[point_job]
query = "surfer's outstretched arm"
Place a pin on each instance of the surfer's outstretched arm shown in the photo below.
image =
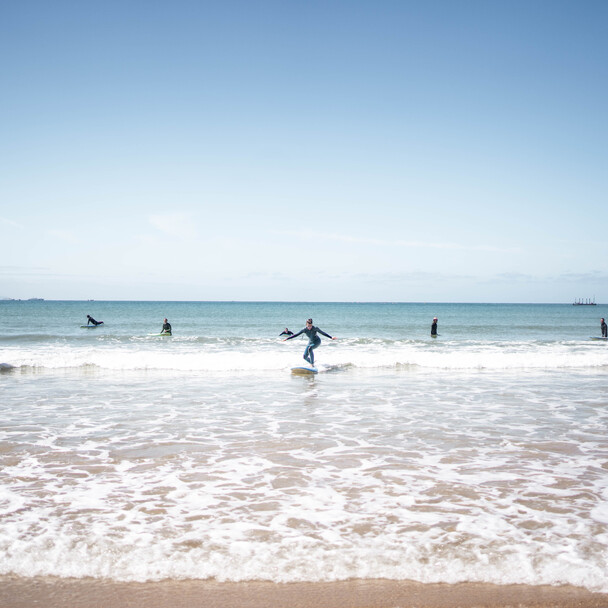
(294, 335)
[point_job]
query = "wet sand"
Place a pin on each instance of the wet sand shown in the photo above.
(47, 592)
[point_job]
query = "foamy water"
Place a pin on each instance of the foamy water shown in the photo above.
(246, 355)
(200, 456)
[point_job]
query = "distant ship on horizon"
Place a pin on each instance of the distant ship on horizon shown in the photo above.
(584, 302)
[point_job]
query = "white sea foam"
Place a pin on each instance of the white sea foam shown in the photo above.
(495, 477)
(255, 356)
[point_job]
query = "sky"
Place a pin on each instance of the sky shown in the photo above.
(406, 151)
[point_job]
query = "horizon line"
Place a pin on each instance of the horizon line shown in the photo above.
(223, 301)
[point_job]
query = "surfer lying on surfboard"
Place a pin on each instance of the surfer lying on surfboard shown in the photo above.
(90, 319)
(313, 340)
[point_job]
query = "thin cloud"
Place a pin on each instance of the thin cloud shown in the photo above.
(177, 225)
(369, 277)
(344, 238)
(569, 277)
(515, 277)
(586, 277)
(24, 271)
(409, 277)
(5, 220)
(67, 237)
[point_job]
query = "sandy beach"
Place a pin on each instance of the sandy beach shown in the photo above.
(16, 592)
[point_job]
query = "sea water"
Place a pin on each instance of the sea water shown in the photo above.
(479, 455)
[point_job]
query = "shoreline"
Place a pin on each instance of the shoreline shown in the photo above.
(52, 592)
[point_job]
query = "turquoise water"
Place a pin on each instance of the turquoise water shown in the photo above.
(243, 337)
(353, 320)
(481, 455)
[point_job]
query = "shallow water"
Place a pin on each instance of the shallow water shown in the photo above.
(200, 456)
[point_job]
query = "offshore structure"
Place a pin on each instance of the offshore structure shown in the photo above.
(584, 302)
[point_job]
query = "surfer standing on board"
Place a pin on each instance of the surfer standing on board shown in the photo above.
(313, 340)
(604, 328)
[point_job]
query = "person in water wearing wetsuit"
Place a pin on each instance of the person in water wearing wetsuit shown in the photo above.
(434, 327)
(313, 340)
(91, 320)
(166, 327)
(286, 332)
(604, 328)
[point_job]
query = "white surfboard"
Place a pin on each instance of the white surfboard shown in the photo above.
(597, 338)
(304, 371)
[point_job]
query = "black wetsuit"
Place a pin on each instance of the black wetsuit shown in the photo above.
(166, 328)
(604, 329)
(434, 328)
(313, 341)
(92, 320)
(287, 332)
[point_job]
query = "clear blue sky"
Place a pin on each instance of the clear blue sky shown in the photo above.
(258, 150)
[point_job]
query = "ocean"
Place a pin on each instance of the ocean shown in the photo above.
(481, 455)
